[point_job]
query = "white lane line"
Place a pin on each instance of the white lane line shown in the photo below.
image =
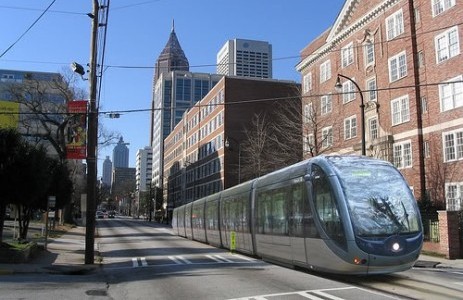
(134, 262)
(186, 261)
(326, 295)
(175, 260)
(214, 258)
(223, 258)
(143, 262)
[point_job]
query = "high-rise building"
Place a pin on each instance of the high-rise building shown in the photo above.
(246, 58)
(143, 168)
(175, 90)
(121, 155)
(107, 170)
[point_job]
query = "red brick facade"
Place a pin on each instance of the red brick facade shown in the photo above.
(408, 110)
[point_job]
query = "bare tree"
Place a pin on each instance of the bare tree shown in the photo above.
(256, 157)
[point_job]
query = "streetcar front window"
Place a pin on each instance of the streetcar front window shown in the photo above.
(379, 200)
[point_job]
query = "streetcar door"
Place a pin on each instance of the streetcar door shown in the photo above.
(297, 215)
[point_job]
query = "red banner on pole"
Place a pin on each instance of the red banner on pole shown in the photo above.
(76, 137)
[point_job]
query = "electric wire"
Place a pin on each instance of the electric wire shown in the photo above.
(27, 30)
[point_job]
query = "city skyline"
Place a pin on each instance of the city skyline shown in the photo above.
(131, 49)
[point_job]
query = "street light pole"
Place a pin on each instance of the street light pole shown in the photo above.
(92, 134)
(227, 145)
(338, 86)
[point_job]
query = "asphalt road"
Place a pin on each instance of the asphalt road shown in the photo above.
(142, 260)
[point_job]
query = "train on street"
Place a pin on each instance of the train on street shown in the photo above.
(334, 214)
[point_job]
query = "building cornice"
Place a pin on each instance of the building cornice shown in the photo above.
(340, 32)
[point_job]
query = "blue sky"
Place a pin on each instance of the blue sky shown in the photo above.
(138, 31)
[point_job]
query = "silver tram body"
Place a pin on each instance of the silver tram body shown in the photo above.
(335, 214)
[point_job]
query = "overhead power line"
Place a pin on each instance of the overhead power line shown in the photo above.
(27, 30)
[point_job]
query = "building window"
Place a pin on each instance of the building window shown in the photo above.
(371, 87)
(326, 104)
(350, 128)
(347, 55)
(453, 145)
(397, 67)
(348, 91)
(308, 112)
(309, 143)
(327, 137)
(325, 71)
(369, 53)
(451, 94)
(403, 155)
(454, 196)
(439, 6)
(447, 44)
(400, 110)
(373, 128)
(395, 25)
(307, 82)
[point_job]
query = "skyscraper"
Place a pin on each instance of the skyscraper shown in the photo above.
(121, 155)
(247, 58)
(175, 90)
(107, 169)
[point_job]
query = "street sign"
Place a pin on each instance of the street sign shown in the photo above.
(51, 201)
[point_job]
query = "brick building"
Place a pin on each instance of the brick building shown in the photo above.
(404, 59)
(197, 161)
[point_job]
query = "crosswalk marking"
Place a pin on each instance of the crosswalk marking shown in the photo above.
(219, 258)
(179, 260)
(136, 264)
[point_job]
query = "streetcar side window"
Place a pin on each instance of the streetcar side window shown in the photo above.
(302, 223)
(272, 212)
(325, 205)
(212, 215)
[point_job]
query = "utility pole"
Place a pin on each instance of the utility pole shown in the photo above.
(92, 135)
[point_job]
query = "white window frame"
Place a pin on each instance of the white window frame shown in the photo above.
(451, 94)
(397, 66)
(327, 137)
(325, 71)
(447, 44)
(373, 128)
(348, 91)
(439, 6)
(347, 55)
(371, 89)
(369, 53)
(326, 104)
(454, 196)
(307, 82)
(402, 153)
(308, 112)
(350, 127)
(309, 140)
(395, 25)
(452, 145)
(400, 110)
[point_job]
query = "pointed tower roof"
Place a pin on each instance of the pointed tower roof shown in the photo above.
(172, 56)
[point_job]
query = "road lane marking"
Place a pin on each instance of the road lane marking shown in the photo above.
(134, 262)
(143, 261)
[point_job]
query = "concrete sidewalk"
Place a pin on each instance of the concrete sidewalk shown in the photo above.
(66, 255)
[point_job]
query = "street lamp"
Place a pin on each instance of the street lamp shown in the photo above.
(338, 87)
(228, 146)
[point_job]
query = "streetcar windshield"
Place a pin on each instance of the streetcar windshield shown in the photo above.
(379, 199)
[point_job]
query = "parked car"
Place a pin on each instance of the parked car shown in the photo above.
(112, 214)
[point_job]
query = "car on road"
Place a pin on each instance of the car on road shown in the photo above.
(100, 215)
(112, 214)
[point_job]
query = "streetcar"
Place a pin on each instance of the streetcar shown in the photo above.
(333, 214)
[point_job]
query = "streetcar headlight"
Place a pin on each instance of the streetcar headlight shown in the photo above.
(396, 247)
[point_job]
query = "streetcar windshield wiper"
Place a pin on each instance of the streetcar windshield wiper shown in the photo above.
(385, 208)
